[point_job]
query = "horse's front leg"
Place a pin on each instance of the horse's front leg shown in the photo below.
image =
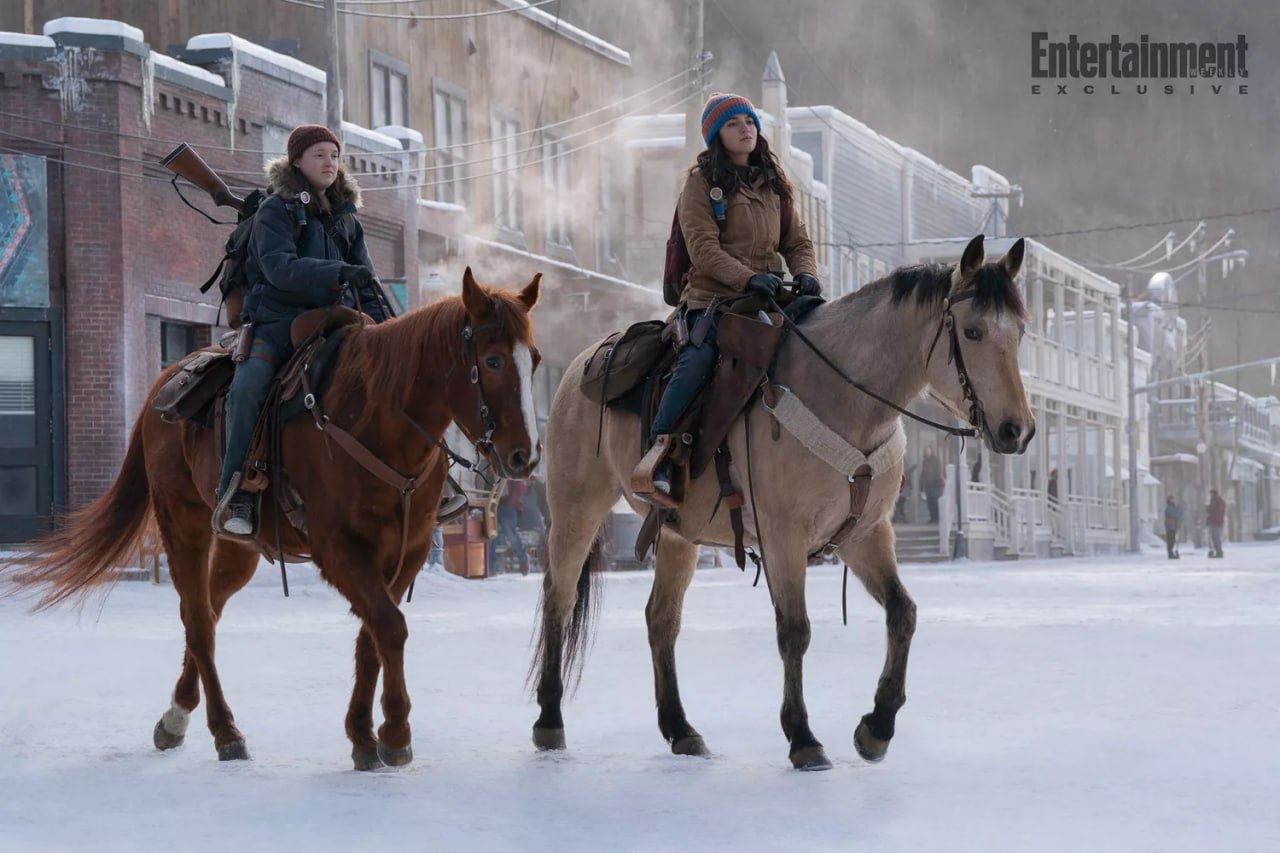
(346, 564)
(786, 583)
(874, 563)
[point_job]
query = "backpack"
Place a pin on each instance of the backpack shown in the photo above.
(679, 266)
(230, 274)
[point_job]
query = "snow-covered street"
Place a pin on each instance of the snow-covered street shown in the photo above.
(1113, 704)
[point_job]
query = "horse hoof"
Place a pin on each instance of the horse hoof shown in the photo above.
(810, 758)
(234, 751)
(691, 745)
(546, 739)
(870, 747)
(366, 759)
(164, 740)
(394, 757)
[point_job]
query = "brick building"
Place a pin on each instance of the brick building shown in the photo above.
(108, 293)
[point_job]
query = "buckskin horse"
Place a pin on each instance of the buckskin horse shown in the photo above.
(396, 387)
(951, 331)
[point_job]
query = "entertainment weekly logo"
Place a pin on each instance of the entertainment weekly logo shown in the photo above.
(1185, 67)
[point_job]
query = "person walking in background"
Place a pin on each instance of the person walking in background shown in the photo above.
(931, 482)
(509, 510)
(1216, 518)
(1172, 521)
(1053, 486)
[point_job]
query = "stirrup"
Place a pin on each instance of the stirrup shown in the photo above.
(642, 478)
(452, 502)
(220, 510)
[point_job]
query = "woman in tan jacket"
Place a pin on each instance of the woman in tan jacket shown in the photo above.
(731, 215)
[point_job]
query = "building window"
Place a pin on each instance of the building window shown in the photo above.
(449, 119)
(275, 140)
(506, 166)
(608, 226)
(555, 170)
(388, 91)
(176, 341)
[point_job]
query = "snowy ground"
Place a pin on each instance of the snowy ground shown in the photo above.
(1123, 704)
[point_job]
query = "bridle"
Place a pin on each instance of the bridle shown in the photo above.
(977, 415)
(977, 418)
(484, 444)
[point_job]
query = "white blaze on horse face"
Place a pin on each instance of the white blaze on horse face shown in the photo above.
(524, 367)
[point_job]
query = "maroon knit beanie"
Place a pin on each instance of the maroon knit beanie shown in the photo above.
(306, 135)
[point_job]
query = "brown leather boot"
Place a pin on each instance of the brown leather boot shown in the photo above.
(652, 478)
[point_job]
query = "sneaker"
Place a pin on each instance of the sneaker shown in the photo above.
(239, 515)
(452, 502)
(662, 479)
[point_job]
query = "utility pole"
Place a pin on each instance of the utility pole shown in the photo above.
(1206, 455)
(333, 88)
(1134, 512)
(693, 109)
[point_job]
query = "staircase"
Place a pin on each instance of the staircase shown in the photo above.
(917, 543)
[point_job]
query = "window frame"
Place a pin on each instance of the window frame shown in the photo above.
(450, 180)
(391, 67)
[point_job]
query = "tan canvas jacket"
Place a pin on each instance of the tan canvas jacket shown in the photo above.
(725, 255)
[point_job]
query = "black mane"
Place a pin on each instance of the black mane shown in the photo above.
(931, 283)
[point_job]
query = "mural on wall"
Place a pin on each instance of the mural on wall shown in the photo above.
(24, 232)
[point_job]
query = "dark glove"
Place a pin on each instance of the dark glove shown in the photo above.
(355, 275)
(766, 284)
(807, 285)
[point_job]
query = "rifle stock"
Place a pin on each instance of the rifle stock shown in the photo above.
(184, 162)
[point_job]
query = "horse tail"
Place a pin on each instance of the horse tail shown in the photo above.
(94, 542)
(580, 627)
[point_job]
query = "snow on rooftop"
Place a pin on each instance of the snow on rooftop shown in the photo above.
(224, 41)
(93, 27)
(189, 70)
(370, 138)
(448, 207)
(25, 40)
(399, 131)
(569, 31)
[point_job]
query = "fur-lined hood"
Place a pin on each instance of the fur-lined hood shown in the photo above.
(288, 183)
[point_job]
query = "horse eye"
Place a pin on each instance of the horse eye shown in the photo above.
(973, 334)
(493, 362)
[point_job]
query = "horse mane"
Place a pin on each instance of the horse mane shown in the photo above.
(929, 284)
(387, 362)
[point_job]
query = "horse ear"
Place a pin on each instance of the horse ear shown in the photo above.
(972, 259)
(474, 299)
(1012, 259)
(529, 296)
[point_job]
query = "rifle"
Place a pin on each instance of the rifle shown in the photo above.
(185, 163)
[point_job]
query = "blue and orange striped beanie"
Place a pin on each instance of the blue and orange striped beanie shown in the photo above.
(719, 109)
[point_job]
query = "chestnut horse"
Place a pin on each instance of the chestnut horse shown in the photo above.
(469, 360)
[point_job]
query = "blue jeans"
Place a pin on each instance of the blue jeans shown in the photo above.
(509, 535)
(249, 389)
(693, 367)
(436, 556)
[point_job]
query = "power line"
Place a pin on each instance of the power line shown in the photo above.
(639, 110)
(86, 166)
(257, 175)
(565, 153)
(473, 143)
(403, 17)
(1256, 211)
